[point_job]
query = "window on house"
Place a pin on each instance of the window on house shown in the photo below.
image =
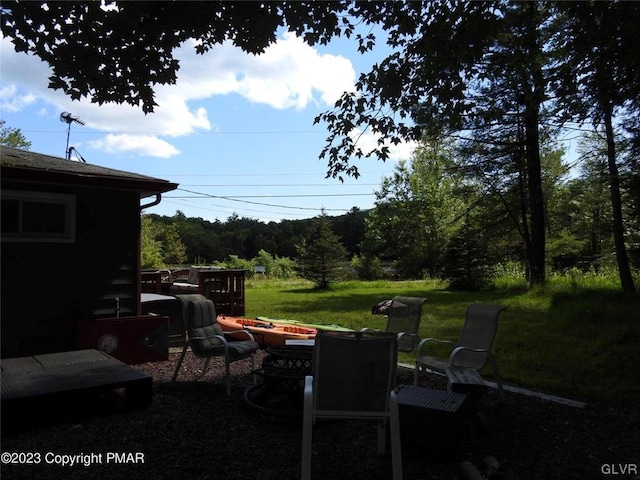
(38, 217)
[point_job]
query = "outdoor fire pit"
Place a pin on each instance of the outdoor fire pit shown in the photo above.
(283, 372)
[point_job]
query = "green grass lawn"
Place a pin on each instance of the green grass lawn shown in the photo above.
(578, 343)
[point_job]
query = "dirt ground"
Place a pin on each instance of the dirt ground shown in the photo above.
(193, 430)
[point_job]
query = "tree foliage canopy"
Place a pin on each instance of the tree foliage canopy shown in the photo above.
(118, 51)
(13, 137)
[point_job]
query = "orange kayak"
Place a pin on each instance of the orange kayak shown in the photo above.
(266, 333)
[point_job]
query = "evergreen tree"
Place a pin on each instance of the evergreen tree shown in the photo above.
(466, 263)
(320, 254)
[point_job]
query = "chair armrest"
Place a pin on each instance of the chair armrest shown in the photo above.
(423, 344)
(405, 334)
(490, 359)
(308, 383)
(220, 337)
(246, 332)
(308, 393)
(457, 350)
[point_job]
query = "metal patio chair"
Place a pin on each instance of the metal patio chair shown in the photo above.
(473, 348)
(403, 319)
(353, 378)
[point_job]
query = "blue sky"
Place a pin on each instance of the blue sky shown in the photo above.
(234, 126)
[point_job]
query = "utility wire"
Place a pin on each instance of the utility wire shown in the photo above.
(275, 185)
(231, 210)
(290, 174)
(232, 199)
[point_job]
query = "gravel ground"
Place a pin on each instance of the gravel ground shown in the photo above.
(193, 430)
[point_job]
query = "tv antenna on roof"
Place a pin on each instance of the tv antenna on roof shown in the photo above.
(69, 119)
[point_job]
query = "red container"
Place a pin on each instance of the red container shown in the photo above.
(131, 340)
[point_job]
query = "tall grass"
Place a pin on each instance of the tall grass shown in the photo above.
(578, 337)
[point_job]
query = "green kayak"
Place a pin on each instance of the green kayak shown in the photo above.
(318, 326)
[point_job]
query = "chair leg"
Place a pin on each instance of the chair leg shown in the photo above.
(416, 373)
(175, 372)
(253, 368)
(206, 365)
(394, 427)
(381, 428)
(227, 376)
(494, 367)
(307, 429)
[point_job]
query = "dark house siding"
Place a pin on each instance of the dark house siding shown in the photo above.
(48, 286)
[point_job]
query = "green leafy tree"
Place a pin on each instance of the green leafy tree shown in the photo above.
(160, 243)
(175, 251)
(151, 253)
(417, 211)
(588, 209)
(266, 260)
(13, 137)
(350, 229)
(446, 54)
(598, 81)
(320, 254)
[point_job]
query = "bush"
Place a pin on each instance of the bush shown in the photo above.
(368, 267)
(284, 268)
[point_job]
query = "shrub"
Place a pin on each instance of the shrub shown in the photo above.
(368, 267)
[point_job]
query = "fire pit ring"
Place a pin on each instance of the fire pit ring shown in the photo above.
(283, 371)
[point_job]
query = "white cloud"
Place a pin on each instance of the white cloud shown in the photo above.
(368, 141)
(12, 101)
(147, 145)
(286, 75)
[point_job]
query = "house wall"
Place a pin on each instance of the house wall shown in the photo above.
(47, 287)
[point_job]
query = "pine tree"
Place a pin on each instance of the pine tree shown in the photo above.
(320, 254)
(466, 266)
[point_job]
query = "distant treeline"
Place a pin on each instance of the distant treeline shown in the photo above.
(214, 241)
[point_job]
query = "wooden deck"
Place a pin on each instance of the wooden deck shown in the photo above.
(59, 376)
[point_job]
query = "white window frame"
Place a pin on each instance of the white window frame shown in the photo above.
(67, 200)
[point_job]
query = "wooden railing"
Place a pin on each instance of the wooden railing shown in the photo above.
(225, 287)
